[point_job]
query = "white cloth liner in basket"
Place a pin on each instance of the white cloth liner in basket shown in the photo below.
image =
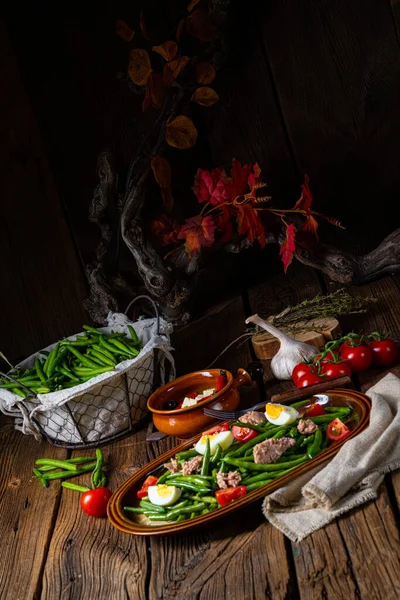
(104, 406)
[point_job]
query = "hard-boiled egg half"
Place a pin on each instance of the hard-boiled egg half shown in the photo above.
(278, 414)
(223, 439)
(163, 495)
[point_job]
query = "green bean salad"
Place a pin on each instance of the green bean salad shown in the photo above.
(231, 460)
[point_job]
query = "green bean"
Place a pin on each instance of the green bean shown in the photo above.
(258, 484)
(147, 505)
(95, 371)
(204, 479)
(134, 336)
(207, 499)
(67, 373)
(157, 517)
(123, 348)
(315, 447)
(20, 393)
(279, 434)
(189, 479)
(78, 343)
(192, 488)
(300, 403)
(76, 460)
(67, 474)
(92, 330)
(206, 458)
(163, 477)
(345, 410)
(186, 510)
(247, 426)
(325, 418)
(49, 359)
(134, 509)
(181, 518)
(265, 467)
(97, 472)
(216, 456)
(83, 359)
(73, 486)
(58, 357)
(102, 357)
(40, 477)
(307, 440)
(187, 454)
(60, 464)
(39, 370)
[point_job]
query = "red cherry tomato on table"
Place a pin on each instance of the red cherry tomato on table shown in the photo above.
(308, 379)
(224, 497)
(337, 430)
(94, 502)
(358, 357)
(243, 434)
(384, 352)
(150, 480)
(314, 410)
(332, 370)
(302, 369)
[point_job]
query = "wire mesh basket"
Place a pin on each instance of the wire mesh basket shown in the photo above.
(106, 408)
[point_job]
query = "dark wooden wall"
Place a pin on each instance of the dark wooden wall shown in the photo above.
(310, 87)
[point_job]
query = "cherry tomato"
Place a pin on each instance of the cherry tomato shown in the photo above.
(384, 352)
(359, 357)
(224, 497)
(332, 370)
(94, 502)
(337, 430)
(300, 370)
(308, 379)
(314, 410)
(330, 356)
(243, 434)
(216, 429)
(151, 480)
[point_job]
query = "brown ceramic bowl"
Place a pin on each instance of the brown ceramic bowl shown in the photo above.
(185, 422)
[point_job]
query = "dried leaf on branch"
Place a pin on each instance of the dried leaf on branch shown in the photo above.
(139, 66)
(288, 247)
(166, 229)
(143, 27)
(162, 174)
(181, 133)
(124, 31)
(173, 69)
(168, 50)
(205, 73)
(205, 96)
(250, 224)
(197, 232)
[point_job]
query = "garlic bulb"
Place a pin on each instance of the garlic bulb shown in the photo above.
(290, 353)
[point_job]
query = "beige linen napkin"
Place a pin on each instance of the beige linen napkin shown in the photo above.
(351, 478)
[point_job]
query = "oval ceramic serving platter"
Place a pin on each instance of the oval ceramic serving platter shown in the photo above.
(125, 495)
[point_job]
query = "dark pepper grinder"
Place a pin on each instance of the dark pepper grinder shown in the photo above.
(256, 372)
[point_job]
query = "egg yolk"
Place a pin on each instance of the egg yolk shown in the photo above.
(163, 490)
(273, 411)
(210, 437)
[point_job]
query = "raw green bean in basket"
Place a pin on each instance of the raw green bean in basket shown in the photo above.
(134, 337)
(83, 359)
(39, 370)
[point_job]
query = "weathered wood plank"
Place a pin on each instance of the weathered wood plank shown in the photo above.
(42, 284)
(27, 513)
(88, 558)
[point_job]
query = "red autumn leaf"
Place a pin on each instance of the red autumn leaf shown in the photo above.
(211, 186)
(167, 50)
(143, 27)
(166, 229)
(198, 232)
(304, 202)
(224, 224)
(311, 225)
(198, 26)
(139, 66)
(173, 68)
(250, 224)
(240, 175)
(205, 73)
(254, 177)
(288, 247)
(180, 29)
(124, 31)
(154, 91)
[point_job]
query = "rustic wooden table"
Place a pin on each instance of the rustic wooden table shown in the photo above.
(50, 549)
